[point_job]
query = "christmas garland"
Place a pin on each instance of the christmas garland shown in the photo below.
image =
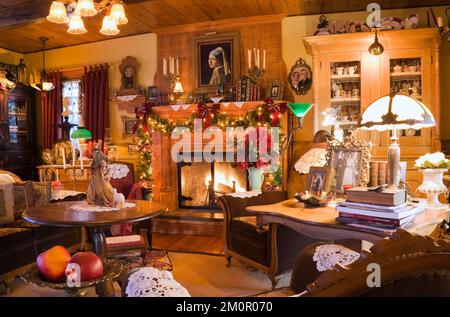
(267, 115)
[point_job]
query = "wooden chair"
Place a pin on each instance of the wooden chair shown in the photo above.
(273, 250)
(410, 265)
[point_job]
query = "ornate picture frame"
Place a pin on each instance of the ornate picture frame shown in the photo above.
(351, 163)
(203, 73)
(300, 77)
(319, 179)
(275, 91)
(127, 126)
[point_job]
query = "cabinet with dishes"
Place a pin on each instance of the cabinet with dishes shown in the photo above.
(343, 66)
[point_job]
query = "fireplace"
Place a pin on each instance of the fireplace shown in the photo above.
(201, 183)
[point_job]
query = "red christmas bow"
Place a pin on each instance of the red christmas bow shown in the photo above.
(206, 112)
(142, 113)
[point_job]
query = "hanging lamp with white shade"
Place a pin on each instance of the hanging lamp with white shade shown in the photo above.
(44, 85)
(109, 26)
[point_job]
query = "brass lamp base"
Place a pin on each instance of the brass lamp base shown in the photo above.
(394, 161)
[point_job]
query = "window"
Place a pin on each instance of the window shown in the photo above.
(72, 105)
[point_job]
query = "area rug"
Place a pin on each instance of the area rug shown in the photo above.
(156, 258)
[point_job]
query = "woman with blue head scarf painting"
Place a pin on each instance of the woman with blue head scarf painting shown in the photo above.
(218, 62)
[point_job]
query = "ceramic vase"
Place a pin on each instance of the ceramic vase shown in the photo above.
(433, 185)
(255, 178)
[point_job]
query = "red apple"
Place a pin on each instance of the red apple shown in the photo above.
(53, 262)
(91, 266)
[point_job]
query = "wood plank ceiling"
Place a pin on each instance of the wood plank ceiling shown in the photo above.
(22, 22)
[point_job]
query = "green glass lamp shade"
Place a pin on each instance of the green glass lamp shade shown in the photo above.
(300, 109)
(81, 133)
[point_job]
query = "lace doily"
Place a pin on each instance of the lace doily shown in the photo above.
(118, 171)
(151, 282)
(328, 255)
(252, 193)
(62, 194)
(314, 157)
(84, 206)
(126, 98)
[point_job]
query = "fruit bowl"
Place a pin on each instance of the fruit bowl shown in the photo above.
(314, 200)
(112, 269)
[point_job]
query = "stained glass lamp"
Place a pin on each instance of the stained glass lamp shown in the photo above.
(395, 112)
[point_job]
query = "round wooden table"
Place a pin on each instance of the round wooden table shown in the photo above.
(62, 215)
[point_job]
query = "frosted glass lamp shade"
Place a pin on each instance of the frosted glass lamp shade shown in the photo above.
(86, 8)
(396, 112)
(76, 25)
(58, 13)
(118, 14)
(109, 27)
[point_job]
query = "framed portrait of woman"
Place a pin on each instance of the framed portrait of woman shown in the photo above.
(351, 163)
(215, 62)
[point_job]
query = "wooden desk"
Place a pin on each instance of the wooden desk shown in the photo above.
(321, 224)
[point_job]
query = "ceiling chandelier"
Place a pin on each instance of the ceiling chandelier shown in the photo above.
(44, 85)
(72, 12)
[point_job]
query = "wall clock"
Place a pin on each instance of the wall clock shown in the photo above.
(128, 70)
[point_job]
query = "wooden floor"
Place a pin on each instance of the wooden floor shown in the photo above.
(186, 243)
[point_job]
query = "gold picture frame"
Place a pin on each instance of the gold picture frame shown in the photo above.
(127, 126)
(201, 47)
(276, 90)
(319, 179)
(350, 161)
(300, 77)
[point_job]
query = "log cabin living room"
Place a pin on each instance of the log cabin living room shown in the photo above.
(186, 148)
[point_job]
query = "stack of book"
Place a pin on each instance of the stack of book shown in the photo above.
(384, 211)
(247, 90)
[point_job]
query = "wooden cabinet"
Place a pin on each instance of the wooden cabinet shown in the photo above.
(17, 132)
(409, 65)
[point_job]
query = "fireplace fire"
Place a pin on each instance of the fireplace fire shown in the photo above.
(201, 183)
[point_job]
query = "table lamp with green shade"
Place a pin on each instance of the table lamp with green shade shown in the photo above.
(300, 110)
(81, 134)
(394, 112)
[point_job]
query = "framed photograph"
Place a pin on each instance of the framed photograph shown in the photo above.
(133, 148)
(128, 124)
(351, 163)
(300, 77)
(275, 90)
(319, 179)
(215, 62)
(154, 95)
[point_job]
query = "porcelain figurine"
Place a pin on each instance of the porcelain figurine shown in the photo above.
(100, 191)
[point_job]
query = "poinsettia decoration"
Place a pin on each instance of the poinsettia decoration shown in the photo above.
(275, 110)
(207, 113)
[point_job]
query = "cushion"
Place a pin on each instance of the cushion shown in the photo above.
(14, 176)
(6, 199)
(134, 241)
(23, 196)
(9, 236)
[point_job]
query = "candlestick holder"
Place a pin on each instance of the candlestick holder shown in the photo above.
(256, 73)
(176, 91)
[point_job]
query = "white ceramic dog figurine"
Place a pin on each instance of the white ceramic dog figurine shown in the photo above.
(119, 199)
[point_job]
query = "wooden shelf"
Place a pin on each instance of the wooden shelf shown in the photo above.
(345, 100)
(345, 77)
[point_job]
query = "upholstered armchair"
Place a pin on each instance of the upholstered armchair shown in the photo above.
(272, 250)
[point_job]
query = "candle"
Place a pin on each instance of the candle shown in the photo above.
(172, 65)
(259, 60)
(255, 56)
(74, 162)
(164, 67)
(440, 22)
(249, 59)
(81, 155)
(63, 153)
(264, 60)
(178, 67)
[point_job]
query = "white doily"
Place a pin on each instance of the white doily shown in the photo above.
(62, 194)
(314, 157)
(151, 282)
(252, 193)
(118, 171)
(328, 255)
(84, 206)
(127, 98)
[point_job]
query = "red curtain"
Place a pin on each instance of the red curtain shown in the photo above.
(96, 100)
(51, 111)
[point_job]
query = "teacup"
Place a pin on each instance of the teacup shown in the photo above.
(412, 68)
(340, 71)
(352, 69)
(398, 69)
